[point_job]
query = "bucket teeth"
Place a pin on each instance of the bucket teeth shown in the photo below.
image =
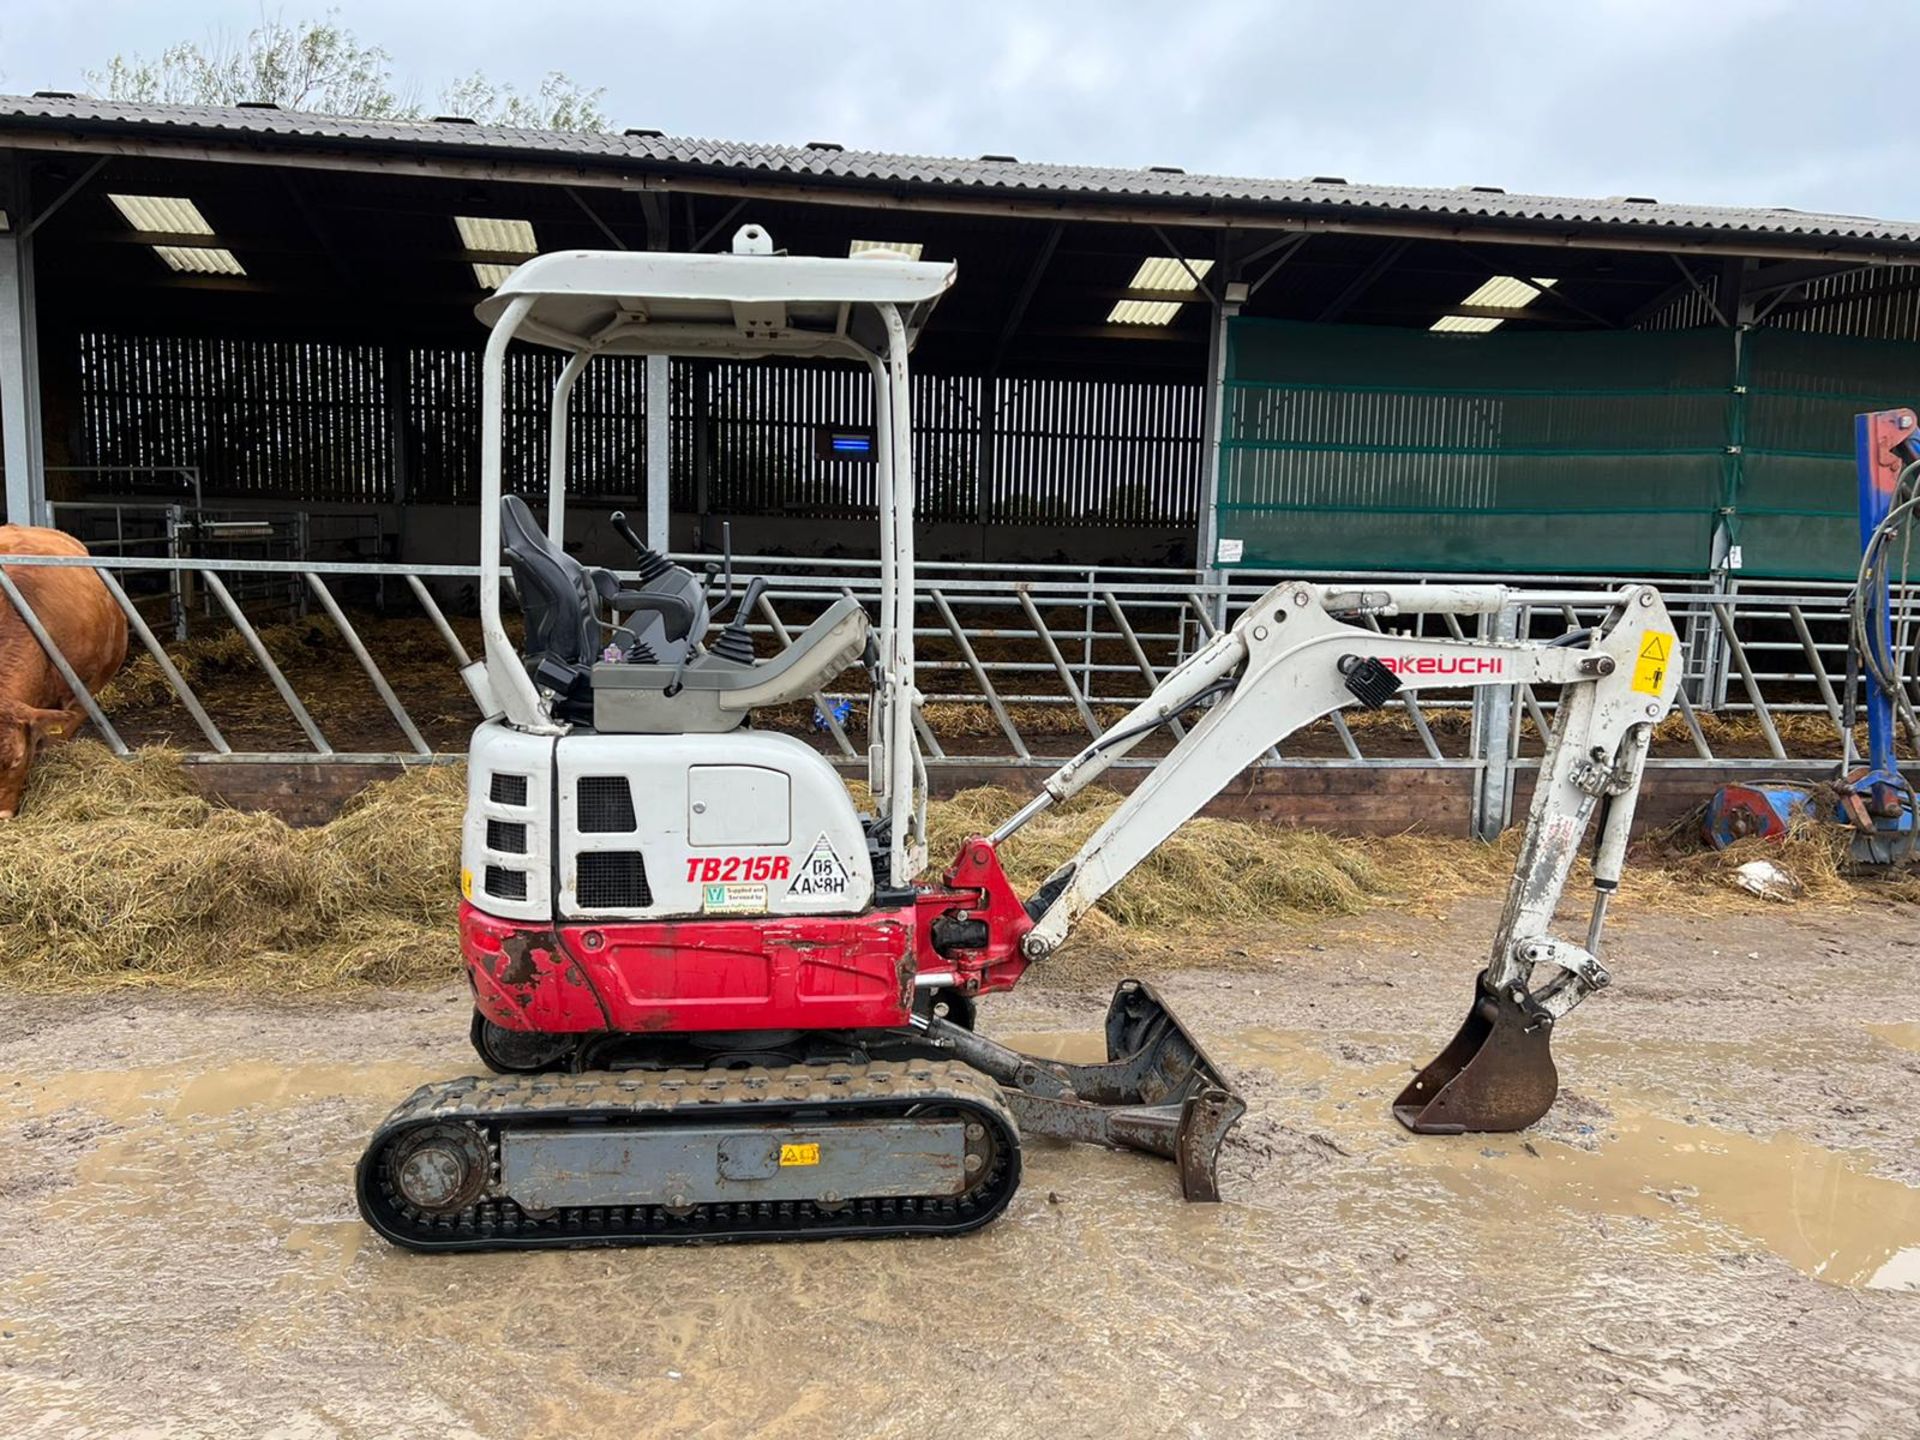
(1497, 1073)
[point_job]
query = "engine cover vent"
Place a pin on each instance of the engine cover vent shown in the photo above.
(605, 805)
(613, 880)
(508, 790)
(509, 837)
(505, 884)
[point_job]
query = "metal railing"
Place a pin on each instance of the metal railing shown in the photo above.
(1017, 669)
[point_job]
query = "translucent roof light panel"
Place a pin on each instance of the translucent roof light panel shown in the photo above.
(909, 248)
(491, 277)
(1159, 272)
(200, 260)
(1502, 292)
(162, 214)
(1166, 272)
(496, 237)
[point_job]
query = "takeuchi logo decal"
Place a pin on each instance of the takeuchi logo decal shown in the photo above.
(1478, 666)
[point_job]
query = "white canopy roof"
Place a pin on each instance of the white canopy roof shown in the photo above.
(639, 302)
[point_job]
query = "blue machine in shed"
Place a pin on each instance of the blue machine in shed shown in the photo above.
(1873, 799)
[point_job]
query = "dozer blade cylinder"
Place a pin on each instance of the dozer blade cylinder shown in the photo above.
(1158, 1091)
(1497, 1073)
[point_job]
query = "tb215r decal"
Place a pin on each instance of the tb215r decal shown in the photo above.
(720, 869)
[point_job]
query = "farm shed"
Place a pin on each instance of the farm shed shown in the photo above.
(267, 315)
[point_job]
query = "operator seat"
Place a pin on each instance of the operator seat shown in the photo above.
(557, 593)
(572, 610)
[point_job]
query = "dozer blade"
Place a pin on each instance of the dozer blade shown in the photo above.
(1496, 1074)
(1158, 1091)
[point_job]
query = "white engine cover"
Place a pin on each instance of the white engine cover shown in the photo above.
(649, 827)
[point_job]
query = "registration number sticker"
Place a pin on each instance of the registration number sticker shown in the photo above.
(799, 1155)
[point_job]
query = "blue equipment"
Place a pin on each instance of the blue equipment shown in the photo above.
(1874, 800)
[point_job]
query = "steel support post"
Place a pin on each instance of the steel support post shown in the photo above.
(659, 452)
(25, 458)
(1493, 707)
(1734, 306)
(659, 410)
(393, 394)
(1213, 416)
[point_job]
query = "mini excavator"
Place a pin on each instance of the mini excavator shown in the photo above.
(719, 1002)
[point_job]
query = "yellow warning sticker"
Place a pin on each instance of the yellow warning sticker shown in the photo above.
(1656, 659)
(799, 1155)
(466, 883)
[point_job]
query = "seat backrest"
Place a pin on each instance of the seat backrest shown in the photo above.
(556, 594)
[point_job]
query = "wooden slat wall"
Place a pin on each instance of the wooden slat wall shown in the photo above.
(262, 419)
(1095, 452)
(300, 420)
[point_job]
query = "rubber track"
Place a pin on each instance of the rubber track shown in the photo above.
(751, 1096)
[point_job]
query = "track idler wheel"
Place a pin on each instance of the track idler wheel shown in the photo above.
(440, 1169)
(1496, 1074)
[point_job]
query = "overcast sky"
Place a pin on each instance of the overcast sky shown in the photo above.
(1691, 100)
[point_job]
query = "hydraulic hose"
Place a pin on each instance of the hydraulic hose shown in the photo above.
(1879, 657)
(1879, 654)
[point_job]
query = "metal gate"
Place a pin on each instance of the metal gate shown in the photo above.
(1016, 671)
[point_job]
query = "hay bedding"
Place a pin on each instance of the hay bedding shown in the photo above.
(118, 872)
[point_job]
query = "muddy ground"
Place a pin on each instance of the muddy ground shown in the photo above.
(1716, 1231)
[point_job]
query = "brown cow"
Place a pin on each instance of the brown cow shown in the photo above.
(84, 622)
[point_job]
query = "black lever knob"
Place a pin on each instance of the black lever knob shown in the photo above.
(652, 564)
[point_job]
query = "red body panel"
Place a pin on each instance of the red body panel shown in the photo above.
(770, 972)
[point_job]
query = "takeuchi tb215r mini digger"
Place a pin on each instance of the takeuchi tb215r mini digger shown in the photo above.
(722, 1003)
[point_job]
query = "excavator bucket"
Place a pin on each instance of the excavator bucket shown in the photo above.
(1157, 1091)
(1496, 1074)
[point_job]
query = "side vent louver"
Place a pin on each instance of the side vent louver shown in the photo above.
(504, 884)
(508, 790)
(509, 837)
(613, 880)
(605, 804)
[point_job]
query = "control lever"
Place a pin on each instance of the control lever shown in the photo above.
(726, 551)
(652, 563)
(734, 642)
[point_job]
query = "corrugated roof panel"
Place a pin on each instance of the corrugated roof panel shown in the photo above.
(1466, 324)
(200, 259)
(1164, 272)
(746, 161)
(162, 214)
(1507, 291)
(491, 277)
(1143, 312)
(909, 248)
(501, 237)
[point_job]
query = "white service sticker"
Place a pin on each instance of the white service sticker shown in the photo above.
(1230, 552)
(733, 899)
(821, 875)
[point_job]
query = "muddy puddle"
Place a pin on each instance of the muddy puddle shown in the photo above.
(1822, 1211)
(181, 1256)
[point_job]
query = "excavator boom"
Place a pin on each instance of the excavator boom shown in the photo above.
(1303, 651)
